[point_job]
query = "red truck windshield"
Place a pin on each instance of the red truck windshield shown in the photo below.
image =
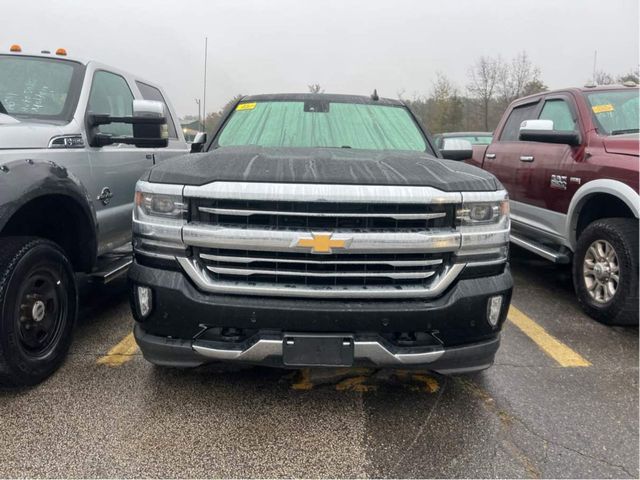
(616, 111)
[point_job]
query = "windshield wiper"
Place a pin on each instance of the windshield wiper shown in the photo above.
(343, 146)
(626, 130)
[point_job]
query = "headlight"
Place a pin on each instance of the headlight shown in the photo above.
(482, 213)
(159, 214)
(160, 205)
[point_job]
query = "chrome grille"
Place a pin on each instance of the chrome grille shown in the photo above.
(328, 241)
(321, 215)
(306, 269)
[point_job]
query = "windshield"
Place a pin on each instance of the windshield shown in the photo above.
(322, 123)
(38, 88)
(615, 111)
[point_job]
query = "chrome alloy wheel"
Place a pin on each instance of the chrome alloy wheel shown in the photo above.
(601, 271)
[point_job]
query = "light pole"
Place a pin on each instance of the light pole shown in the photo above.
(204, 95)
(199, 117)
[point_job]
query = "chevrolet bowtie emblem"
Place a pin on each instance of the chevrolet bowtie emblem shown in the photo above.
(321, 243)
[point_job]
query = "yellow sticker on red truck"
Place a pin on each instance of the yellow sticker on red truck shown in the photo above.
(246, 106)
(607, 107)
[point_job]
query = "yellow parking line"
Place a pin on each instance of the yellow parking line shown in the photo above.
(121, 353)
(553, 347)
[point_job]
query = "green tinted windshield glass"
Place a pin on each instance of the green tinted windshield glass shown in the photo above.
(322, 124)
(36, 87)
(616, 111)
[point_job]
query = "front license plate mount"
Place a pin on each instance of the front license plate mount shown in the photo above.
(317, 350)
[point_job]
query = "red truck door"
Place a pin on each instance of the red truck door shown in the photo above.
(502, 157)
(550, 166)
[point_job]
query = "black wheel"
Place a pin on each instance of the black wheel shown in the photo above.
(605, 270)
(38, 309)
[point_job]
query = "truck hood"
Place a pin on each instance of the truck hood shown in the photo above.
(623, 144)
(323, 165)
(16, 134)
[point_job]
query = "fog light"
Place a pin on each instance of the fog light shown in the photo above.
(144, 300)
(494, 305)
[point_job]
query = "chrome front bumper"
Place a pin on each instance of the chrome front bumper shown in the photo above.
(371, 351)
(367, 352)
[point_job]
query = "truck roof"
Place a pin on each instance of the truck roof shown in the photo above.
(616, 86)
(580, 90)
(83, 61)
(331, 97)
(42, 54)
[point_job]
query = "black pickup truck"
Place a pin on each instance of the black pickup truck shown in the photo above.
(320, 230)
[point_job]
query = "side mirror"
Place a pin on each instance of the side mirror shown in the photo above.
(198, 142)
(456, 149)
(149, 126)
(542, 131)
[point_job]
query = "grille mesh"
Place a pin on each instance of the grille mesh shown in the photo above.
(327, 216)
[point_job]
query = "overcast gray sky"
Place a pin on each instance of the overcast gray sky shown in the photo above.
(346, 46)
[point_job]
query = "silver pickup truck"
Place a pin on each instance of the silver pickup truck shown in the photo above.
(75, 136)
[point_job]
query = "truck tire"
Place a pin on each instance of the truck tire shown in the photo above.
(605, 270)
(38, 309)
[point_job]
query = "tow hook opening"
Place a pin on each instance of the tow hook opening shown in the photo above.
(225, 334)
(413, 339)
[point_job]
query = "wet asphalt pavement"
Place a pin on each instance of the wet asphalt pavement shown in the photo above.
(527, 416)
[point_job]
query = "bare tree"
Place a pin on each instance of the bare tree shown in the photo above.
(483, 82)
(446, 105)
(534, 86)
(603, 78)
(315, 88)
(443, 87)
(516, 77)
(631, 76)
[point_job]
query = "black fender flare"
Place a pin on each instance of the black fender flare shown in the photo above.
(22, 181)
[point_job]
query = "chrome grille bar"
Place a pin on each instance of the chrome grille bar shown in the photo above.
(293, 273)
(204, 282)
(421, 241)
(393, 263)
(303, 192)
(395, 216)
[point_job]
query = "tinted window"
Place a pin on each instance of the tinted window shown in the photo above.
(517, 116)
(322, 124)
(152, 93)
(559, 112)
(110, 94)
(39, 88)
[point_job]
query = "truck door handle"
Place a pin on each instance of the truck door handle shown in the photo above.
(526, 158)
(490, 156)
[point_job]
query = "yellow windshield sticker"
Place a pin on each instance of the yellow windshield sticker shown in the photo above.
(246, 106)
(607, 107)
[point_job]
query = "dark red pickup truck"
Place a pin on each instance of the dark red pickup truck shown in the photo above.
(569, 161)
